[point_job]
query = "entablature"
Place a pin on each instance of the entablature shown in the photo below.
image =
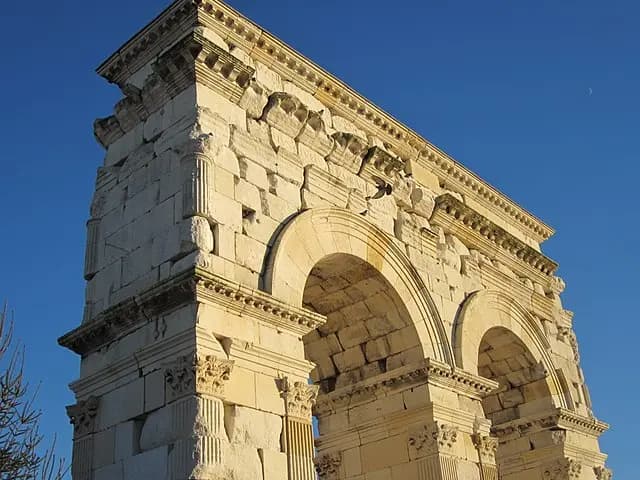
(193, 285)
(479, 232)
(261, 46)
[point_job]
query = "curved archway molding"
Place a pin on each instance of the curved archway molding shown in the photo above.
(488, 309)
(318, 233)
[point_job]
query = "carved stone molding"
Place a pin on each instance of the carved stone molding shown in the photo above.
(562, 469)
(450, 210)
(603, 473)
(557, 419)
(558, 437)
(82, 416)
(286, 113)
(299, 398)
(428, 370)
(348, 151)
(328, 466)
(380, 163)
(567, 335)
(197, 374)
(433, 438)
(189, 286)
(486, 446)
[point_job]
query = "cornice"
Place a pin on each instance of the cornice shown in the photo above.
(428, 370)
(451, 211)
(194, 285)
(340, 98)
(557, 418)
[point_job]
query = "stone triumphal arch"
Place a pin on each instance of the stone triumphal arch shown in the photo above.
(265, 246)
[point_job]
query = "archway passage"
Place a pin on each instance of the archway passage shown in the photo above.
(368, 330)
(523, 389)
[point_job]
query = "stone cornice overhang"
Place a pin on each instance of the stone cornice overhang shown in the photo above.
(481, 233)
(428, 371)
(340, 98)
(193, 285)
(554, 419)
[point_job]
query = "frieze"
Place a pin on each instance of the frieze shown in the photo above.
(82, 416)
(299, 398)
(557, 419)
(328, 466)
(194, 373)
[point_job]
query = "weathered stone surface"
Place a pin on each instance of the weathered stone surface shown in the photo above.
(256, 224)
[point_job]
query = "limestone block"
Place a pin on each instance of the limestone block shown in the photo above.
(226, 109)
(157, 429)
(284, 189)
(314, 135)
(407, 357)
(259, 226)
(104, 448)
(127, 439)
(224, 182)
(350, 359)
(307, 156)
(275, 207)
(286, 112)
(280, 140)
(268, 77)
(385, 453)
(241, 388)
(288, 166)
(274, 464)
(422, 202)
(243, 463)
(121, 404)
(324, 187)
(226, 159)
(254, 99)
(253, 428)
(151, 464)
(165, 246)
(348, 151)
(254, 173)
(196, 234)
(341, 124)
(377, 349)
(353, 335)
(268, 396)
(123, 146)
(143, 202)
(136, 264)
(249, 252)
(154, 394)
(109, 472)
(248, 195)
(226, 211)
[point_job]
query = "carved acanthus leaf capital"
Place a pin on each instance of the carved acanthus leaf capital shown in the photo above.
(486, 446)
(603, 473)
(197, 374)
(433, 438)
(563, 469)
(328, 466)
(82, 416)
(299, 398)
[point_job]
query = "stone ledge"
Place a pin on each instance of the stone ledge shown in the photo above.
(450, 211)
(428, 370)
(559, 417)
(192, 285)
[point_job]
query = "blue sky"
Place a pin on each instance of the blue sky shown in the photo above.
(541, 98)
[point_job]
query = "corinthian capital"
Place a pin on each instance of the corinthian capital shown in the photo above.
(197, 374)
(299, 398)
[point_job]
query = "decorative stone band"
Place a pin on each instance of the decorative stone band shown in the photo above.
(431, 439)
(328, 466)
(82, 416)
(264, 47)
(427, 370)
(562, 469)
(193, 374)
(559, 418)
(451, 211)
(192, 285)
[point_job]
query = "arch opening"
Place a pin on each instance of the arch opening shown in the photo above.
(368, 330)
(523, 389)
